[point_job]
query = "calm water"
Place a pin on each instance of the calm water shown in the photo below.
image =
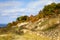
(3, 25)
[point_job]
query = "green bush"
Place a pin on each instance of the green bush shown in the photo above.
(23, 18)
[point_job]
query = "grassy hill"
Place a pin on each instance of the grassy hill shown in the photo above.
(43, 26)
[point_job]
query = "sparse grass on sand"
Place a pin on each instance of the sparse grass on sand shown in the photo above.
(32, 36)
(26, 36)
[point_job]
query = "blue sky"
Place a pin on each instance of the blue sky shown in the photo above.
(11, 9)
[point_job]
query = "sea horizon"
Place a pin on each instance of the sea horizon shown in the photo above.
(3, 25)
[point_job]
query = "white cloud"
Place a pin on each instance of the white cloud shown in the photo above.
(32, 7)
(13, 3)
(14, 16)
(5, 8)
(10, 10)
(14, 10)
(36, 6)
(3, 14)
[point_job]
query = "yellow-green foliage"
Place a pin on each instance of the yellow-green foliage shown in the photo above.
(50, 10)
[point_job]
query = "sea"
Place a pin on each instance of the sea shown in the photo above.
(3, 25)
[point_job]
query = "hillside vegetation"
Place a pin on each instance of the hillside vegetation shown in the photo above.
(43, 26)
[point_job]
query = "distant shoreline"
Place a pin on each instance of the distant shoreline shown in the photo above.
(3, 25)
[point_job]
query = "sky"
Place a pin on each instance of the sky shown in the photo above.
(11, 9)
